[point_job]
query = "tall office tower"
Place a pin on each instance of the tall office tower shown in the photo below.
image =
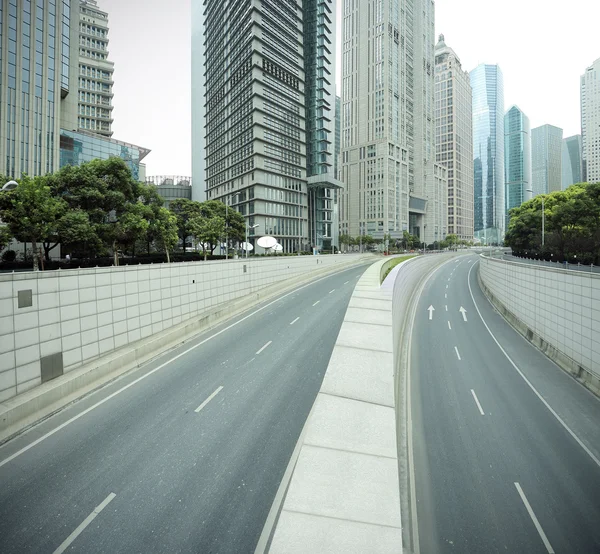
(319, 93)
(388, 167)
(546, 147)
(36, 84)
(338, 133)
(95, 71)
(517, 159)
(488, 153)
(572, 166)
(454, 137)
(590, 122)
(263, 114)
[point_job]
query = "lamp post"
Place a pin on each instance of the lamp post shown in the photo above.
(11, 185)
(250, 227)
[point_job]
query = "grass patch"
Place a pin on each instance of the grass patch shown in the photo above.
(394, 263)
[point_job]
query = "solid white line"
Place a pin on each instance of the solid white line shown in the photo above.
(449, 326)
(331, 291)
(264, 347)
(208, 399)
(535, 520)
(292, 322)
(165, 364)
(477, 402)
(456, 350)
(84, 524)
(316, 302)
(559, 419)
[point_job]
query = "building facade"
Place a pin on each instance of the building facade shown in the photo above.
(454, 137)
(95, 71)
(263, 111)
(590, 122)
(37, 90)
(171, 187)
(517, 159)
(572, 163)
(388, 131)
(546, 147)
(487, 83)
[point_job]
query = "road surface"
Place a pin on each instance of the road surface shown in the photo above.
(183, 455)
(507, 457)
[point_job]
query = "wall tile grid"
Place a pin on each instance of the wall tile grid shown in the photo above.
(562, 307)
(85, 313)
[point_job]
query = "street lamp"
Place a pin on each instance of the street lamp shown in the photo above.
(11, 185)
(250, 227)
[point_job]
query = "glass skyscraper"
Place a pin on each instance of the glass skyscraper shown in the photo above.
(572, 164)
(517, 158)
(36, 48)
(546, 148)
(487, 83)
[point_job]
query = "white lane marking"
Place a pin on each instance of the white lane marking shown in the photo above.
(431, 309)
(535, 520)
(84, 524)
(458, 355)
(316, 302)
(265, 346)
(333, 290)
(559, 419)
(449, 326)
(208, 399)
(464, 313)
(161, 366)
(292, 322)
(446, 295)
(446, 286)
(346, 282)
(446, 307)
(477, 402)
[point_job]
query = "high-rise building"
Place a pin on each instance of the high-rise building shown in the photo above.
(590, 122)
(37, 88)
(546, 148)
(517, 159)
(487, 83)
(572, 166)
(95, 71)
(583, 123)
(454, 137)
(171, 187)
(338, 133)
(388, 130)
(263, 115)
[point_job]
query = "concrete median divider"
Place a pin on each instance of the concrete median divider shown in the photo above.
(18, 411)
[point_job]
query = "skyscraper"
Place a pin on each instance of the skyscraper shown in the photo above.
(590, 122)
(36, 82)
(487, 83)
(388, 137)
(263, 114)
(454, 137)
(546, 147)
(572, 170)
(517, 159)
(95, 70)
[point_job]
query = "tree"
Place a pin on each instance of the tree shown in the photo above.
(31, 212)
(5, 236)
(131, 225)
(185, 210)
(346, 239)
(207, 230)
(163, 227)
(452, 241)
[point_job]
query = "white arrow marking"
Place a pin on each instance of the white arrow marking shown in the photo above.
(464, 313)
(431, 309)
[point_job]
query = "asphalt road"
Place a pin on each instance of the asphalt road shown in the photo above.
(187, 459)
(495, 469)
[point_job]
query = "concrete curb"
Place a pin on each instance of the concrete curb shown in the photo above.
(22, 411)
(566, 363)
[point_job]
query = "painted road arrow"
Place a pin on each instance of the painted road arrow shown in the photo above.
(431, 309)
(463, 312)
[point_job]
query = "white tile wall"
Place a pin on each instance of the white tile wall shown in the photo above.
(561, 306)
(85, 313)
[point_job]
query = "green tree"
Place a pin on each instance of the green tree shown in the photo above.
(131, 225)
(207, 230)
(345, 239)
(163, 228)
(31, 212)
(185, 210)
(5, 236)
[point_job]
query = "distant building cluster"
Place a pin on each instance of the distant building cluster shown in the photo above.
(171, 187)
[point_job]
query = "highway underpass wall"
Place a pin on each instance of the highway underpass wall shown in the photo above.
(557, 310)
(53, 322)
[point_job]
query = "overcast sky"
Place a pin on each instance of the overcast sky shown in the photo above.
(541, 50)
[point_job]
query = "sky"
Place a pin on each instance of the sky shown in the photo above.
(541, 50)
